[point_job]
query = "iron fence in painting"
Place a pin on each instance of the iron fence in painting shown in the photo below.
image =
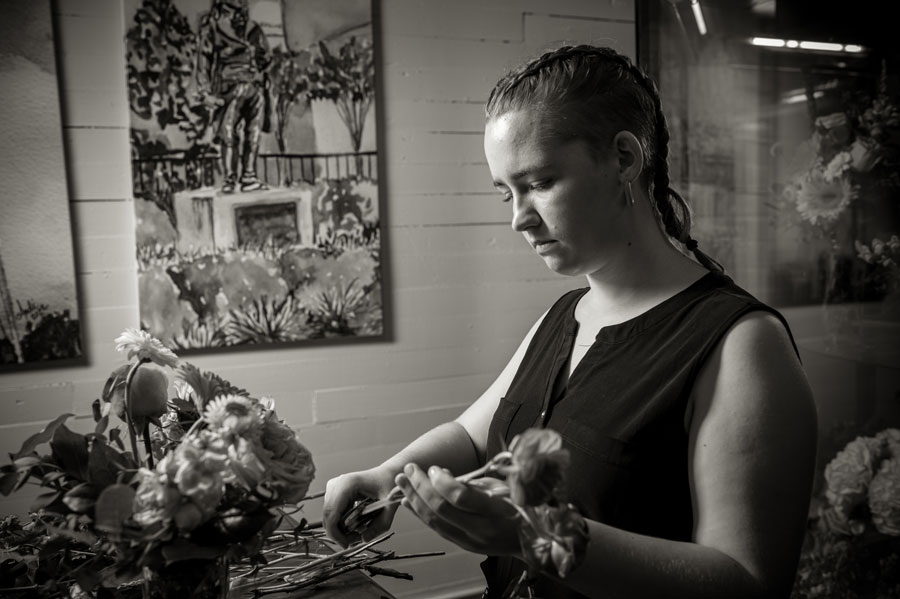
(281, 169)
(161, 174)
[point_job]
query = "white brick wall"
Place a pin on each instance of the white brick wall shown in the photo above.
(464, 287)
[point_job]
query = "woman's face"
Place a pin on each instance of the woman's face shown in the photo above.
(567, 201)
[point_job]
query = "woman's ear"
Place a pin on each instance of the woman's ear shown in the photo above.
(629, 156)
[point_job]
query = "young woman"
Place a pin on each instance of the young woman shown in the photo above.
(680, 397)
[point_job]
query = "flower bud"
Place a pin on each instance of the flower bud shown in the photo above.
(149, 393)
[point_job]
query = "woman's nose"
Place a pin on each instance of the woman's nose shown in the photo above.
(524, 214)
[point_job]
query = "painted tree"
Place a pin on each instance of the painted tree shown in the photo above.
(347, 78)
(289, 76)
(161, 52)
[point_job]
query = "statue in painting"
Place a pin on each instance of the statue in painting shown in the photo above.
(232, 61)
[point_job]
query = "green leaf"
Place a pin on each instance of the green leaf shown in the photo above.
(44, 500)
(81, 498)
(113, 508)
(8, 482)
(104, 465)
(51, 477)
(102, 424)
(71, 452)
(42, 437)
(26, 461)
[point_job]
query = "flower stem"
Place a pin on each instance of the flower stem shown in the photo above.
(147, 446)
(132, 434)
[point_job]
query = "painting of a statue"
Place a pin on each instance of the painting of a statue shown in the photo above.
(255, 170)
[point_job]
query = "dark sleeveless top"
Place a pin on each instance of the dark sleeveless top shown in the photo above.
(622, 412)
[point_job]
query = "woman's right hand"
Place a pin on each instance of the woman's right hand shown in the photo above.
(343, 491)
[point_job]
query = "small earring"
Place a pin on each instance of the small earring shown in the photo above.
(629, 194)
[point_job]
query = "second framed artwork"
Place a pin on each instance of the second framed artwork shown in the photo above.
(255, 169)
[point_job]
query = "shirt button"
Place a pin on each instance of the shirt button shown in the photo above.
(543, 414)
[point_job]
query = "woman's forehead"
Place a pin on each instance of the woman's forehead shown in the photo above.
(520, 126)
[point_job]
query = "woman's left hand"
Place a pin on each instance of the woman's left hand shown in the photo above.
(463, 514)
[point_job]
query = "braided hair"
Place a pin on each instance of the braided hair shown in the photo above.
(595, 92)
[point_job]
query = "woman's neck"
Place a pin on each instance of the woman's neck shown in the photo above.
(647, 270)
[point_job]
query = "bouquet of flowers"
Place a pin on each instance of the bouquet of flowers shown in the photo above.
(209, 485)
(853, 545)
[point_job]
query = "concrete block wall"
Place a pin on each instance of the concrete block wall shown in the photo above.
(464, 287)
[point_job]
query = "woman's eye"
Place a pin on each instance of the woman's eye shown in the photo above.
(540, 185)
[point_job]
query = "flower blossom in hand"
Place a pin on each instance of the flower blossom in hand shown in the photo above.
(141, 345)
(556, 540)
(538, 465)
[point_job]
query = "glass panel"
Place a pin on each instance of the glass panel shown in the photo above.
(785, 137)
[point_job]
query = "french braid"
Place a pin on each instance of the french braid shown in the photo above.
(586, 81)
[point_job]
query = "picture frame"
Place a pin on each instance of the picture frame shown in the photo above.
(256, 171)
(40, 323)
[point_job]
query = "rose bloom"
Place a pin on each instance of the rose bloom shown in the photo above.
(289, 465)
(884, 497)
(538, 465)
(155, 500)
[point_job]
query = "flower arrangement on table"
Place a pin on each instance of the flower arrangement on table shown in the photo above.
(844, 185)
(552, 533)
(853, 548)
(215, 473)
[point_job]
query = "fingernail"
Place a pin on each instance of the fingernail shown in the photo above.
(399, 478)
(433, 471)
(408, 469)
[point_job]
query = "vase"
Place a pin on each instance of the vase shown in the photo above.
(194, 579)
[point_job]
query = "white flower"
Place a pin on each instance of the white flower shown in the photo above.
(819, 201)
(838, 166)
(234, 413)
(141, 345)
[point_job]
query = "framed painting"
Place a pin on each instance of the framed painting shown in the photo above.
(255, 169)
(39, 312)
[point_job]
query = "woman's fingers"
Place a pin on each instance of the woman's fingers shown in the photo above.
(468, 517)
